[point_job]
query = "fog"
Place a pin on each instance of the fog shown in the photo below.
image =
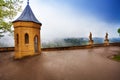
(63, 21)
(7, 40)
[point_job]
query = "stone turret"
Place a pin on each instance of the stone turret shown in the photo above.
(27, 34)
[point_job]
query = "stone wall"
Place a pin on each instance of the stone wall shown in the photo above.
(66, 48)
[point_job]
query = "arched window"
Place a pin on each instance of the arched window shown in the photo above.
(26, 38)
(17, 38)
(36, 43)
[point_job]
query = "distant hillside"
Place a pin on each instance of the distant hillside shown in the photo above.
(9, 42)
(75, 42)
(113, 40)
(98, 40)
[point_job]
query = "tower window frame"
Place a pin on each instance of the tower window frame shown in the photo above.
(26, 38)
(17, 38)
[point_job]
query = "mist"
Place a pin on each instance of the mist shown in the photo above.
(7, 40)
(63, 21)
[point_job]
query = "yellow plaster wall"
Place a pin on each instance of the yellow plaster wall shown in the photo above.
(33, 30)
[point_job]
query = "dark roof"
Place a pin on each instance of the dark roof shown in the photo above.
(27, 15)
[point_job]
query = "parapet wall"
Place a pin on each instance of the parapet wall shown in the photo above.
(5, 49)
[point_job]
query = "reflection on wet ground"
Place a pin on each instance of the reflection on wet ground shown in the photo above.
(82, 64)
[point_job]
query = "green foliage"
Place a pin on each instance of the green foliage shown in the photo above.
(8, 9)
(119, 31)
(117, 57)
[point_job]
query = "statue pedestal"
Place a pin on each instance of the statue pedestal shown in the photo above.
(106, 42)
(91, 42)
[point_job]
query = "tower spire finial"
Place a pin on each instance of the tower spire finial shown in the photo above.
(27, 2)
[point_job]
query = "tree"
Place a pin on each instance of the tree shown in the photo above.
(8, 9)
(119, 31)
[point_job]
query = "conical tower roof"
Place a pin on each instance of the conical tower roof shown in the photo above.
(27, 16)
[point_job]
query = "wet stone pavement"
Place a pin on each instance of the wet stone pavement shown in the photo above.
(81, 64)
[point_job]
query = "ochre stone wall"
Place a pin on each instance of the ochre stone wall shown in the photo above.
(21, 48)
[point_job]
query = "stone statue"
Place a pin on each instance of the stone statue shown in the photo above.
(90, 36)
(106, 41)
(106, 36)
(90, 40)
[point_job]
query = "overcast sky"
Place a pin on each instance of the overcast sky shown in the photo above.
(76, 18)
